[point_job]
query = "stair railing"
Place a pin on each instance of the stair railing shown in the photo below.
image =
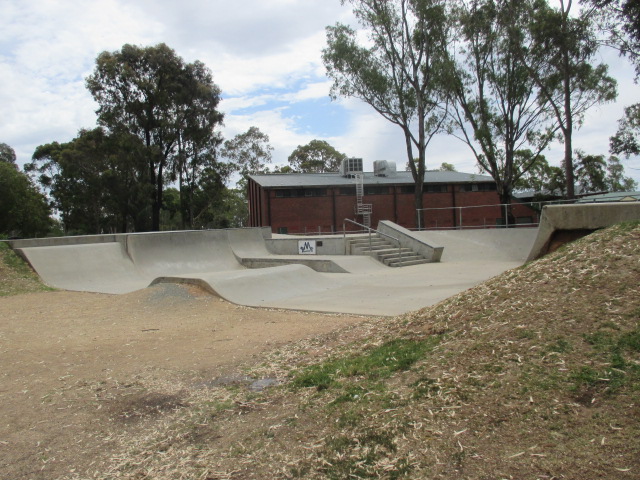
(369, 229)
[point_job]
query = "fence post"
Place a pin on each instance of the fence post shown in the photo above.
(506, 215)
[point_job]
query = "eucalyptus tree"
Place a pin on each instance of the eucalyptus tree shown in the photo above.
(317, 156)
(620, 21)
(197, 143)
(247, 153)
(498, 112)
(397, 70)
(561, 55)
(94, 181)
(7, 154)
(627, 139)
(151, 93)
(24, 210)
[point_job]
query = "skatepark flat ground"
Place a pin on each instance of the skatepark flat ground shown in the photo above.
(212, 260)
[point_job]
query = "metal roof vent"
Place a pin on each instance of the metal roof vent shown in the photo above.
(350, 167)
(382, 168)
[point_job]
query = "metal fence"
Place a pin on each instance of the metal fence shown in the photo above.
(535, 206)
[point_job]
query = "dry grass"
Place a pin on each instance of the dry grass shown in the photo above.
(534, 374)
(16, 277)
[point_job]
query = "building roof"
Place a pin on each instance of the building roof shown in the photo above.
(296, 180)
(611, 197)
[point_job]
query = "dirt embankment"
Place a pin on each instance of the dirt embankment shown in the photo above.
(77, 367)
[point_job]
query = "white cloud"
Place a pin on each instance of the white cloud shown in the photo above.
(265, 56)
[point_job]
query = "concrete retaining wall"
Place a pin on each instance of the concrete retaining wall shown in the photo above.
(586, 217)
(409, 239)
(331, 245)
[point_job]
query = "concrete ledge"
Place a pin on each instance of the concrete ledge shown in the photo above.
(317, 264)
(579, 217)
(410, 240)
(331, 245)
(59, 241)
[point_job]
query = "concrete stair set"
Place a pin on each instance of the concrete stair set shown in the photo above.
(384, 251)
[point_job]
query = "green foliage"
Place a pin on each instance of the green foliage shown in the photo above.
(16, 276)
(590, 172)
(170, 106)
(620, 21)
(248, 153)
(316, 157)
(565, 46)
(7, 154)
(498, 111)
(96, 181)
(625, 141)
(399, 71)
(594, 174)
(620, 349)
(24, 211)
(447, 167)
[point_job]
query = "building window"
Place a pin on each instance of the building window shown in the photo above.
(348, 191)
(301, 192)
(315, 192)
(434, 188)
(376, 190)
(478, 187)
(282, 230)
(407, 189)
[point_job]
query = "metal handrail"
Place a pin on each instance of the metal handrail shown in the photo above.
(344, 236)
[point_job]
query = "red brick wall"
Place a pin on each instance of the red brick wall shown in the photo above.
(326, 214)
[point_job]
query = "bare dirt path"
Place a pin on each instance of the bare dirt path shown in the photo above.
(68, 359)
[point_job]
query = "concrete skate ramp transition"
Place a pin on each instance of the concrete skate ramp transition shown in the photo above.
(214, 259)
(217, 260)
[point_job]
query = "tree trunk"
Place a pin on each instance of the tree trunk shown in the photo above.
(418, 177)
(508, 218)
(157, 204)
(568, 167)
(568, 130)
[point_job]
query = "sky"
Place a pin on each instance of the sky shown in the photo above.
(265, 55)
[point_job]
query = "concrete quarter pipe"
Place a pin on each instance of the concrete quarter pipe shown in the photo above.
(216, 259)
(213, 259)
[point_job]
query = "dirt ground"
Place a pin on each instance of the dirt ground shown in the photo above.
(71, 365)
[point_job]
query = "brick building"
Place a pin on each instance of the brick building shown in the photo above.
(297, 203)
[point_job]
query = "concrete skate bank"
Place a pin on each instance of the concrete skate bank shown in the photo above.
(249, 267)
(218, 261)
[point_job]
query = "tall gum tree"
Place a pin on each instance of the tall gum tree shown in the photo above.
(398, 71)
(563, 43)
(150, 92)
(497, 111)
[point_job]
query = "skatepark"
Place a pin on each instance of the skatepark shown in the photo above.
(251, 267)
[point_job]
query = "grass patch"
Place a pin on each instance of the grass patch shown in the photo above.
(617, 348)
(375, 364)
(356, 456)
(16, 276)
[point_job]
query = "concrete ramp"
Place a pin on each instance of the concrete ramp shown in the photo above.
(93, 267)
(499, 244)
(260, 287)
(217, 259)
(174, 253)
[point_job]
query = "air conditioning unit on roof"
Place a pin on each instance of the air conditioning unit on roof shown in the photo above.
(383, 168)
(350, 167)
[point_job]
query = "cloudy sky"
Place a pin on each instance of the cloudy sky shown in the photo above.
(265, 55)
